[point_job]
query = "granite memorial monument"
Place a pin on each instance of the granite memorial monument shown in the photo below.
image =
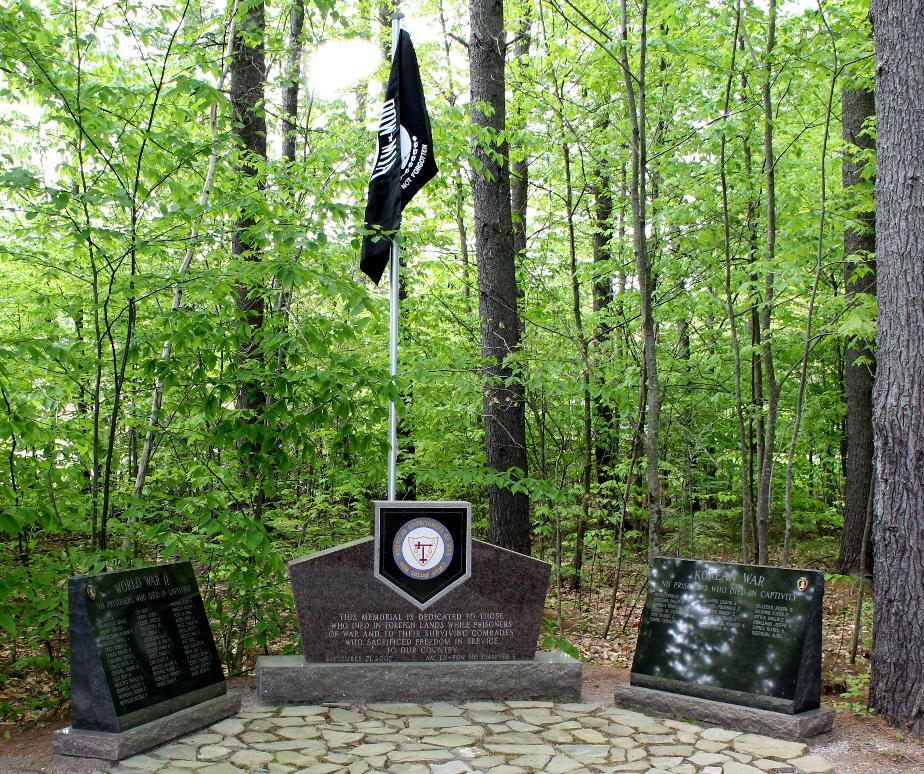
(741, 641)
(144, 668)
(420, 612)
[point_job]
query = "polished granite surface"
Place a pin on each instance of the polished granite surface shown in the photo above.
(348, 615)
(745, 634)
(141, 646)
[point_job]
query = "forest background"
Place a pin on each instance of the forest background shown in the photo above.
(192, 365)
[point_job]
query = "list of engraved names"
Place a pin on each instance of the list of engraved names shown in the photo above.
(730, 603)
(134, 638)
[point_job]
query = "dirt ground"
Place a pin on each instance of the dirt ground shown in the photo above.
(857, 745)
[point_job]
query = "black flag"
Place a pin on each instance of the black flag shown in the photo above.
(404, 160)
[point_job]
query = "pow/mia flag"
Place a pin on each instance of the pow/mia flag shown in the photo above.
(404, 161)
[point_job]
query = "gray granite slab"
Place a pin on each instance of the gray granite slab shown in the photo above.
(681, 707)
(114, 746)
(347, 615)
(292, 680)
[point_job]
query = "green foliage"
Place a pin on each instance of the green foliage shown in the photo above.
(551, 642)
(856, 696)
(552, 639)
(105, 146)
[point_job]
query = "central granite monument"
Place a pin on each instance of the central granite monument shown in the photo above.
(420, 612)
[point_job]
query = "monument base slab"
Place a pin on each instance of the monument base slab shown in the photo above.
(735, 716)
(292, 680)
(110, 746)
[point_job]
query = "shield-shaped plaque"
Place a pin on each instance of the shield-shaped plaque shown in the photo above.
(422, 549)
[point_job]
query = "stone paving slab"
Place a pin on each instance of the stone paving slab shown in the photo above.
(516, 737)
(802, 725)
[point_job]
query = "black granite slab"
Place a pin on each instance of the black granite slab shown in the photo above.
(347, 615)
(744, 634)
(141, 647)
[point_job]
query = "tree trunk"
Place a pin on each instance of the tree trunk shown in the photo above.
(504, 414)
(813, 296)
(406, 485)
(859, 365)
(248, 75)
(292, 78)
(519, 178)
(746, 514)
(638, 196)
(690, 461)
(756, 415)
(586, 442)
(897, 684)
(764, 485)
(606, 429)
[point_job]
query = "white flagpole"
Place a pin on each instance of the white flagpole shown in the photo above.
(393, 316)
(393, 370)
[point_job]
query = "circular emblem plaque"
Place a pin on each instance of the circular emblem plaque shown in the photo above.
(422, 548)
(802, 584)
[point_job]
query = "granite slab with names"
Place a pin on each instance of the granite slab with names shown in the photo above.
(144, 667)
(742, 642)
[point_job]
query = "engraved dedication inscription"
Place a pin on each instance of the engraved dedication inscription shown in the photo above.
(348, 615)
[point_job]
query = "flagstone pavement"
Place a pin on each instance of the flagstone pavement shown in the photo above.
(496, 737)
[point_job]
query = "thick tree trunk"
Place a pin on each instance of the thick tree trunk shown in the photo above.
(897, 685)
(504, 415)
(248, 79)
(248, 76)
(278, 314)
(859, 365)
